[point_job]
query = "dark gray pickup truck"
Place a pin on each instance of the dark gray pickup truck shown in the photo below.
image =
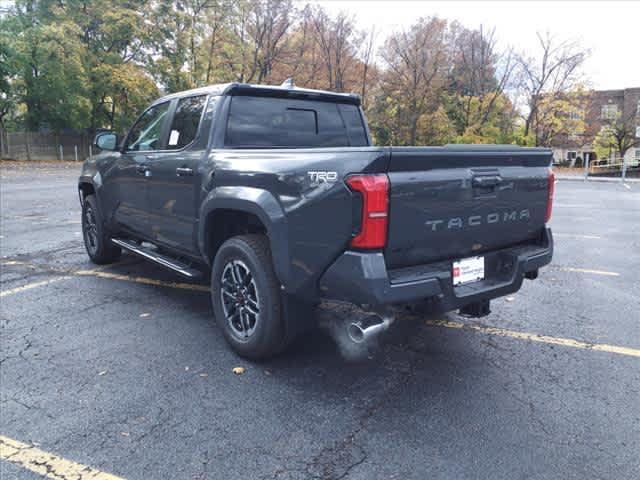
(279, 193)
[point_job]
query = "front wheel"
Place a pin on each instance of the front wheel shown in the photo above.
(246, 298)
(96, 241)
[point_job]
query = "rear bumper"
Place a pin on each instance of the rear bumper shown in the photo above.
(363, 278)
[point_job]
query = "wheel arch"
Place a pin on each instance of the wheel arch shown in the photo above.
(85, 188)
(231, 211)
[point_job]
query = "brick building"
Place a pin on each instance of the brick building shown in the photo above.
(601, 107)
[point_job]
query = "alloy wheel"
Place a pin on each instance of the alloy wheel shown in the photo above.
(240, 301)
(90, 229)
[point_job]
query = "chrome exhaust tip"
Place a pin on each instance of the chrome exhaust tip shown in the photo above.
(369, 327)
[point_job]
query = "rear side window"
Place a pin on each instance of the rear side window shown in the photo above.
(186, 119)
(263, 122)
(355, 127)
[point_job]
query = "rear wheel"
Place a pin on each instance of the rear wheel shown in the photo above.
(246, 298)
(96, 241)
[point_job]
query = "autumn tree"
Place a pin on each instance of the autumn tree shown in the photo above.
(176, 42)
(479, 77)
(618, 135)
(257, 35)
(47, 57)
(114, 43)
(78, 63)
(415, 61)
(559, 117)
(327, 53)
(8, 71)
(547, 77)
(268, 27)
(368, 67)
(336, 40)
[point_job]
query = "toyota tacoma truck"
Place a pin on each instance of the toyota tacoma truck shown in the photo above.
(279, 195)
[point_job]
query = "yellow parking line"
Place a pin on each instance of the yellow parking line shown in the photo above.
(29, 286)
(47, 464)
(98, 272)
(587, 270)
(532, 337)
(143, 280)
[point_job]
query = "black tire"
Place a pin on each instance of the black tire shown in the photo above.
(96, 241)
(252, 336)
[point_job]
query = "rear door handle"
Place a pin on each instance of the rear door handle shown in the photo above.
(143, 169)
(184, 172)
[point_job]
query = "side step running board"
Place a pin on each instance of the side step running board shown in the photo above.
(158, 258)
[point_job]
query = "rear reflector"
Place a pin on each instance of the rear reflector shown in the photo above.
(550, 190)
(375, 210)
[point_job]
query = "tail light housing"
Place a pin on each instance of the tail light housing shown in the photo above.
(375, 210)
(551, 188)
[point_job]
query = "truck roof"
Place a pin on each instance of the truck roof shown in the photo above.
(266, 91)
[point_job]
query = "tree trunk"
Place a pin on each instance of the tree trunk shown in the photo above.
(2, 141)
(364, 83)
(414, 129)
(527, 124)
(211, 50)
(113, 114)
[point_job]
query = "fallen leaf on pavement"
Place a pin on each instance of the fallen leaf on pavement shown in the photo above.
(104, 372)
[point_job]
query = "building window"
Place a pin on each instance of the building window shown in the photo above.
(638, 109)
(572, 155)
(575, 115)
(609, 111)
(637, 132)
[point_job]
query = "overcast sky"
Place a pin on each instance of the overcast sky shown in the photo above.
(611, 30)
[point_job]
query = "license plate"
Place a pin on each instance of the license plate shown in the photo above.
(468, 270)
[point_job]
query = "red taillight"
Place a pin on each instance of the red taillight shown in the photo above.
(551, 188)
(375, 210)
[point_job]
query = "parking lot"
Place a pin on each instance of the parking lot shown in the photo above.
(121, 370)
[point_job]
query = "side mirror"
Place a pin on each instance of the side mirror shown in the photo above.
(106, 141)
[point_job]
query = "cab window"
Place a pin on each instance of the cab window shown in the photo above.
(146, 132)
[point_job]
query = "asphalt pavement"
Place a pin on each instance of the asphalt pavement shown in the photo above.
(121, 369)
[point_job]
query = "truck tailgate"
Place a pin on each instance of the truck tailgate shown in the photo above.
(458, 201)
